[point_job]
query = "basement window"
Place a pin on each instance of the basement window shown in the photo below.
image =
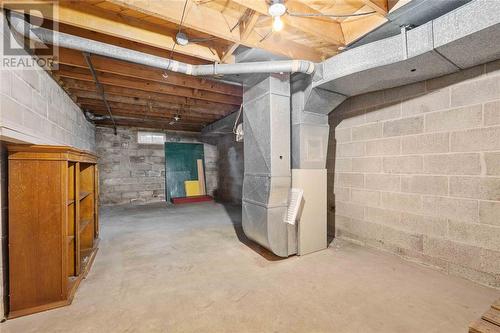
(151, 138)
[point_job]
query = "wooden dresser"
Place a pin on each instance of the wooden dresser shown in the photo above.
(53, 225)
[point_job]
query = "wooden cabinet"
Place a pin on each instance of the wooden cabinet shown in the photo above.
(53, 225)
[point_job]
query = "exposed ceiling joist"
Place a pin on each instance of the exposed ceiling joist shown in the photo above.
(215, 23)
(396, 4)
(215, 29)
(356, 27)
(155, 124)
(246, 24)
(90, 18)
(139, 111)
(75, 86)
(227, 55)
(129, 44)
(146, 85)
(103, 64)
(380, 6)
(179, 108)
(329, 31)
(148, 116)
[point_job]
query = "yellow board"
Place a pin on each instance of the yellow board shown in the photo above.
(192, 188)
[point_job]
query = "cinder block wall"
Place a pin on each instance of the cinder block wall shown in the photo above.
(415, 170)
(135, 173)
(34, 108)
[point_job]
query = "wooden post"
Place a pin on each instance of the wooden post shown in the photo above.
(201, 176)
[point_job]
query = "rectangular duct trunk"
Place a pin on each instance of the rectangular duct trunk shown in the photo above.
(267, 179)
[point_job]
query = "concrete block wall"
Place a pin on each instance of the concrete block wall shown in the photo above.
(135, 173)
(34, 109)
(415, 170)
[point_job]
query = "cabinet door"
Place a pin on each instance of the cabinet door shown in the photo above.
(36, 213)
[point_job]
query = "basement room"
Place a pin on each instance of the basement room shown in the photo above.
(250, 166)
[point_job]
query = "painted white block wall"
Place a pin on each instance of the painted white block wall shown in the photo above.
(35, 110)
(415, 170)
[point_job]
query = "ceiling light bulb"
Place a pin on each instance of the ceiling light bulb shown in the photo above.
(181, 39)
(277, 8)
(277, 23)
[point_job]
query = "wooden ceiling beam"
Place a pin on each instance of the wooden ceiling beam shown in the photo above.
(179, 108)
(75, 59)
(76, 87)
(150, 124)
(91, 18)
(380, 6)
(151, 86)
(215, 23)
(153, 110)
(356, 27)
(129, 44)
(100, 110)
(246, 25)
(396, 4)
(227, 55)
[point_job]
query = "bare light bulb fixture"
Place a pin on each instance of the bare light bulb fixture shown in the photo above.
(277, 23)
(276, 10)
(181, 39)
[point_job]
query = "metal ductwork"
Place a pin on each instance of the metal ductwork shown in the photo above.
(267, 179)
(310, 129)
(87, 45)
(462, 38)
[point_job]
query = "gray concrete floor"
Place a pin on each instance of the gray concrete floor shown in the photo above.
(190, 269)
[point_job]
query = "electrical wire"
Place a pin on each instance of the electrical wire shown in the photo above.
(237, 119)
(201, 40)
(330, 15)
(180, 27)
(99, 87)
(266, 36)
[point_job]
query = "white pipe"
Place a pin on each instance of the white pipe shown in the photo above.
(87, 45)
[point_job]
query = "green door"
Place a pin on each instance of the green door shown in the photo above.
(180, 165)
